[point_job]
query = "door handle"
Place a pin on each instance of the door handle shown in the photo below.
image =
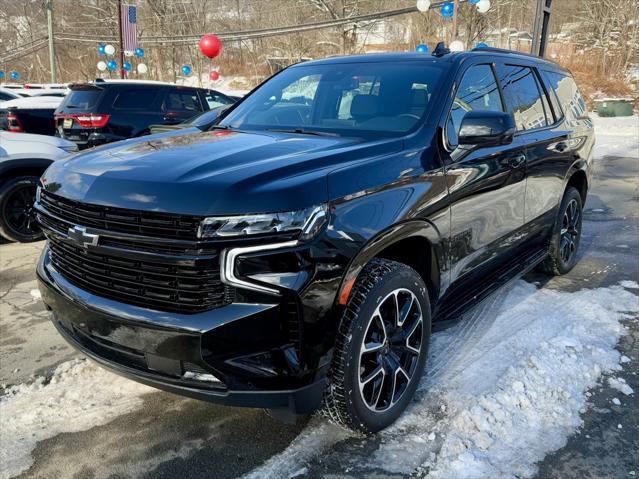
(517, 161)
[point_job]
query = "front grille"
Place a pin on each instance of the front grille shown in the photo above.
(149, 223)
(182, 288)
(174, 275)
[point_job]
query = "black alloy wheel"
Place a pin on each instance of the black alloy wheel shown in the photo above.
(17, 215)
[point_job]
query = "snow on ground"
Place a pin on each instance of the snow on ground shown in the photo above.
(80, 395)
(503, 388)
(616, 136)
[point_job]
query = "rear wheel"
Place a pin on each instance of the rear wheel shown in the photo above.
(381, 348)
(17, 215)
(566, 235)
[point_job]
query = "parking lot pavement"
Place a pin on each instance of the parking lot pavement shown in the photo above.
(79, 421)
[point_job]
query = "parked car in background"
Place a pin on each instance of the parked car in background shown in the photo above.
(23, 158)
(300, 252)
(6, 95)
(29, 115)
(202, 122)
(105, 111)
(34, 89)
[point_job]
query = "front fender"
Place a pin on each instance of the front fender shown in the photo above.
(416, 228)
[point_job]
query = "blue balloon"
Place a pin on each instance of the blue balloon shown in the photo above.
(139, 52)
(448, 10)
(422, 48)
(1, 74)
(15, 75)
(481, 45)
(186, 70)
(127, 66)
(101, 49)
(112, 65)
(474, 2)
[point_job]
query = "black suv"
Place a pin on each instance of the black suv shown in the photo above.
(300, 252)
(96, 113)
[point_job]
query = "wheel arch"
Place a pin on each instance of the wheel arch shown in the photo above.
(413, 243)
(578, 179)
(23, 167)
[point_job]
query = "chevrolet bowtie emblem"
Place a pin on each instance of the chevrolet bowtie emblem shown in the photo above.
(79, 235)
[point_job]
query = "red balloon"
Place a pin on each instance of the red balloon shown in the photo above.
(215, 76)
(210, 45)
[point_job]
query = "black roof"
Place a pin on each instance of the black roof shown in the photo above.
(417, 56)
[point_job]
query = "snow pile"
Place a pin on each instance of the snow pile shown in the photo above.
(513, 390)
(79, 396)
(616, 136)
(620, 385)
(314, 440)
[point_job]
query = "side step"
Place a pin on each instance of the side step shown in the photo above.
(457, 303)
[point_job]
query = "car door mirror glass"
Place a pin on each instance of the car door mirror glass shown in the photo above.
(486, 128)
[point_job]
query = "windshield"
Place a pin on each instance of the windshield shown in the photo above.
(367, 100)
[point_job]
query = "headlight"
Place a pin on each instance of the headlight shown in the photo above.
(308, 221)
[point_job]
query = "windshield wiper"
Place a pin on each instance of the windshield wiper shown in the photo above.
(302, 131)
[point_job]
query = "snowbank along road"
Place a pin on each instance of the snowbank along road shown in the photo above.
(539, 381)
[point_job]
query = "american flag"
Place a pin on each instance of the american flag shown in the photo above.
(129, 21)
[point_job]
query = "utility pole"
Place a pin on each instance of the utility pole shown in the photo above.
(49, 5)
(540, 31)
(121, 41)
(455, 32)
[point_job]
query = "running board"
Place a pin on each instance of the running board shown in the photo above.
(454, 307)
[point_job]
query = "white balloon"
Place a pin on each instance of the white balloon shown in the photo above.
(102, 66)
(128, 53)
(109, 49)
(423, 5)
(142, 68)
(456, 46)
(483, 6)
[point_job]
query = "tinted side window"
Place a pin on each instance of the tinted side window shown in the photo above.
(566, 89)
(522, 96)
(182, 101)
(477, 91)
(138, 99)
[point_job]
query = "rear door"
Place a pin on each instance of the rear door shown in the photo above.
(180, 104)
(133, 109)
(546, 156)
(486, 185)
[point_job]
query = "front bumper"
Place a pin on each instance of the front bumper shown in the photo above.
(231, 355)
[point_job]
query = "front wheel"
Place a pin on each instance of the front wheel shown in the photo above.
(17, 215)
(566, 235)
(381, 348)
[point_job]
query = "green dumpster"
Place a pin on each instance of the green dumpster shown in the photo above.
(614, 106)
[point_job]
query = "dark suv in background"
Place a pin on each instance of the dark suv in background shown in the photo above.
(300, 252)
(104, 111)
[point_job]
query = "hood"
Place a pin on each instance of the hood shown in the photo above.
(30, 139)
(210, 173)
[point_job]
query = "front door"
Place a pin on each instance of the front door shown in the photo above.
(487, 186)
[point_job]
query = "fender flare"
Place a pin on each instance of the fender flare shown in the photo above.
(416, 228)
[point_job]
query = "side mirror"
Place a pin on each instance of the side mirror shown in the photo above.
(487, 128)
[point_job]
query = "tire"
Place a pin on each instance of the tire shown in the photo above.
(352, 399)
(17, 217)
(566, 234)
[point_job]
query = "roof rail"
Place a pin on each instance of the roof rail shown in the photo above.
(505, 50)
